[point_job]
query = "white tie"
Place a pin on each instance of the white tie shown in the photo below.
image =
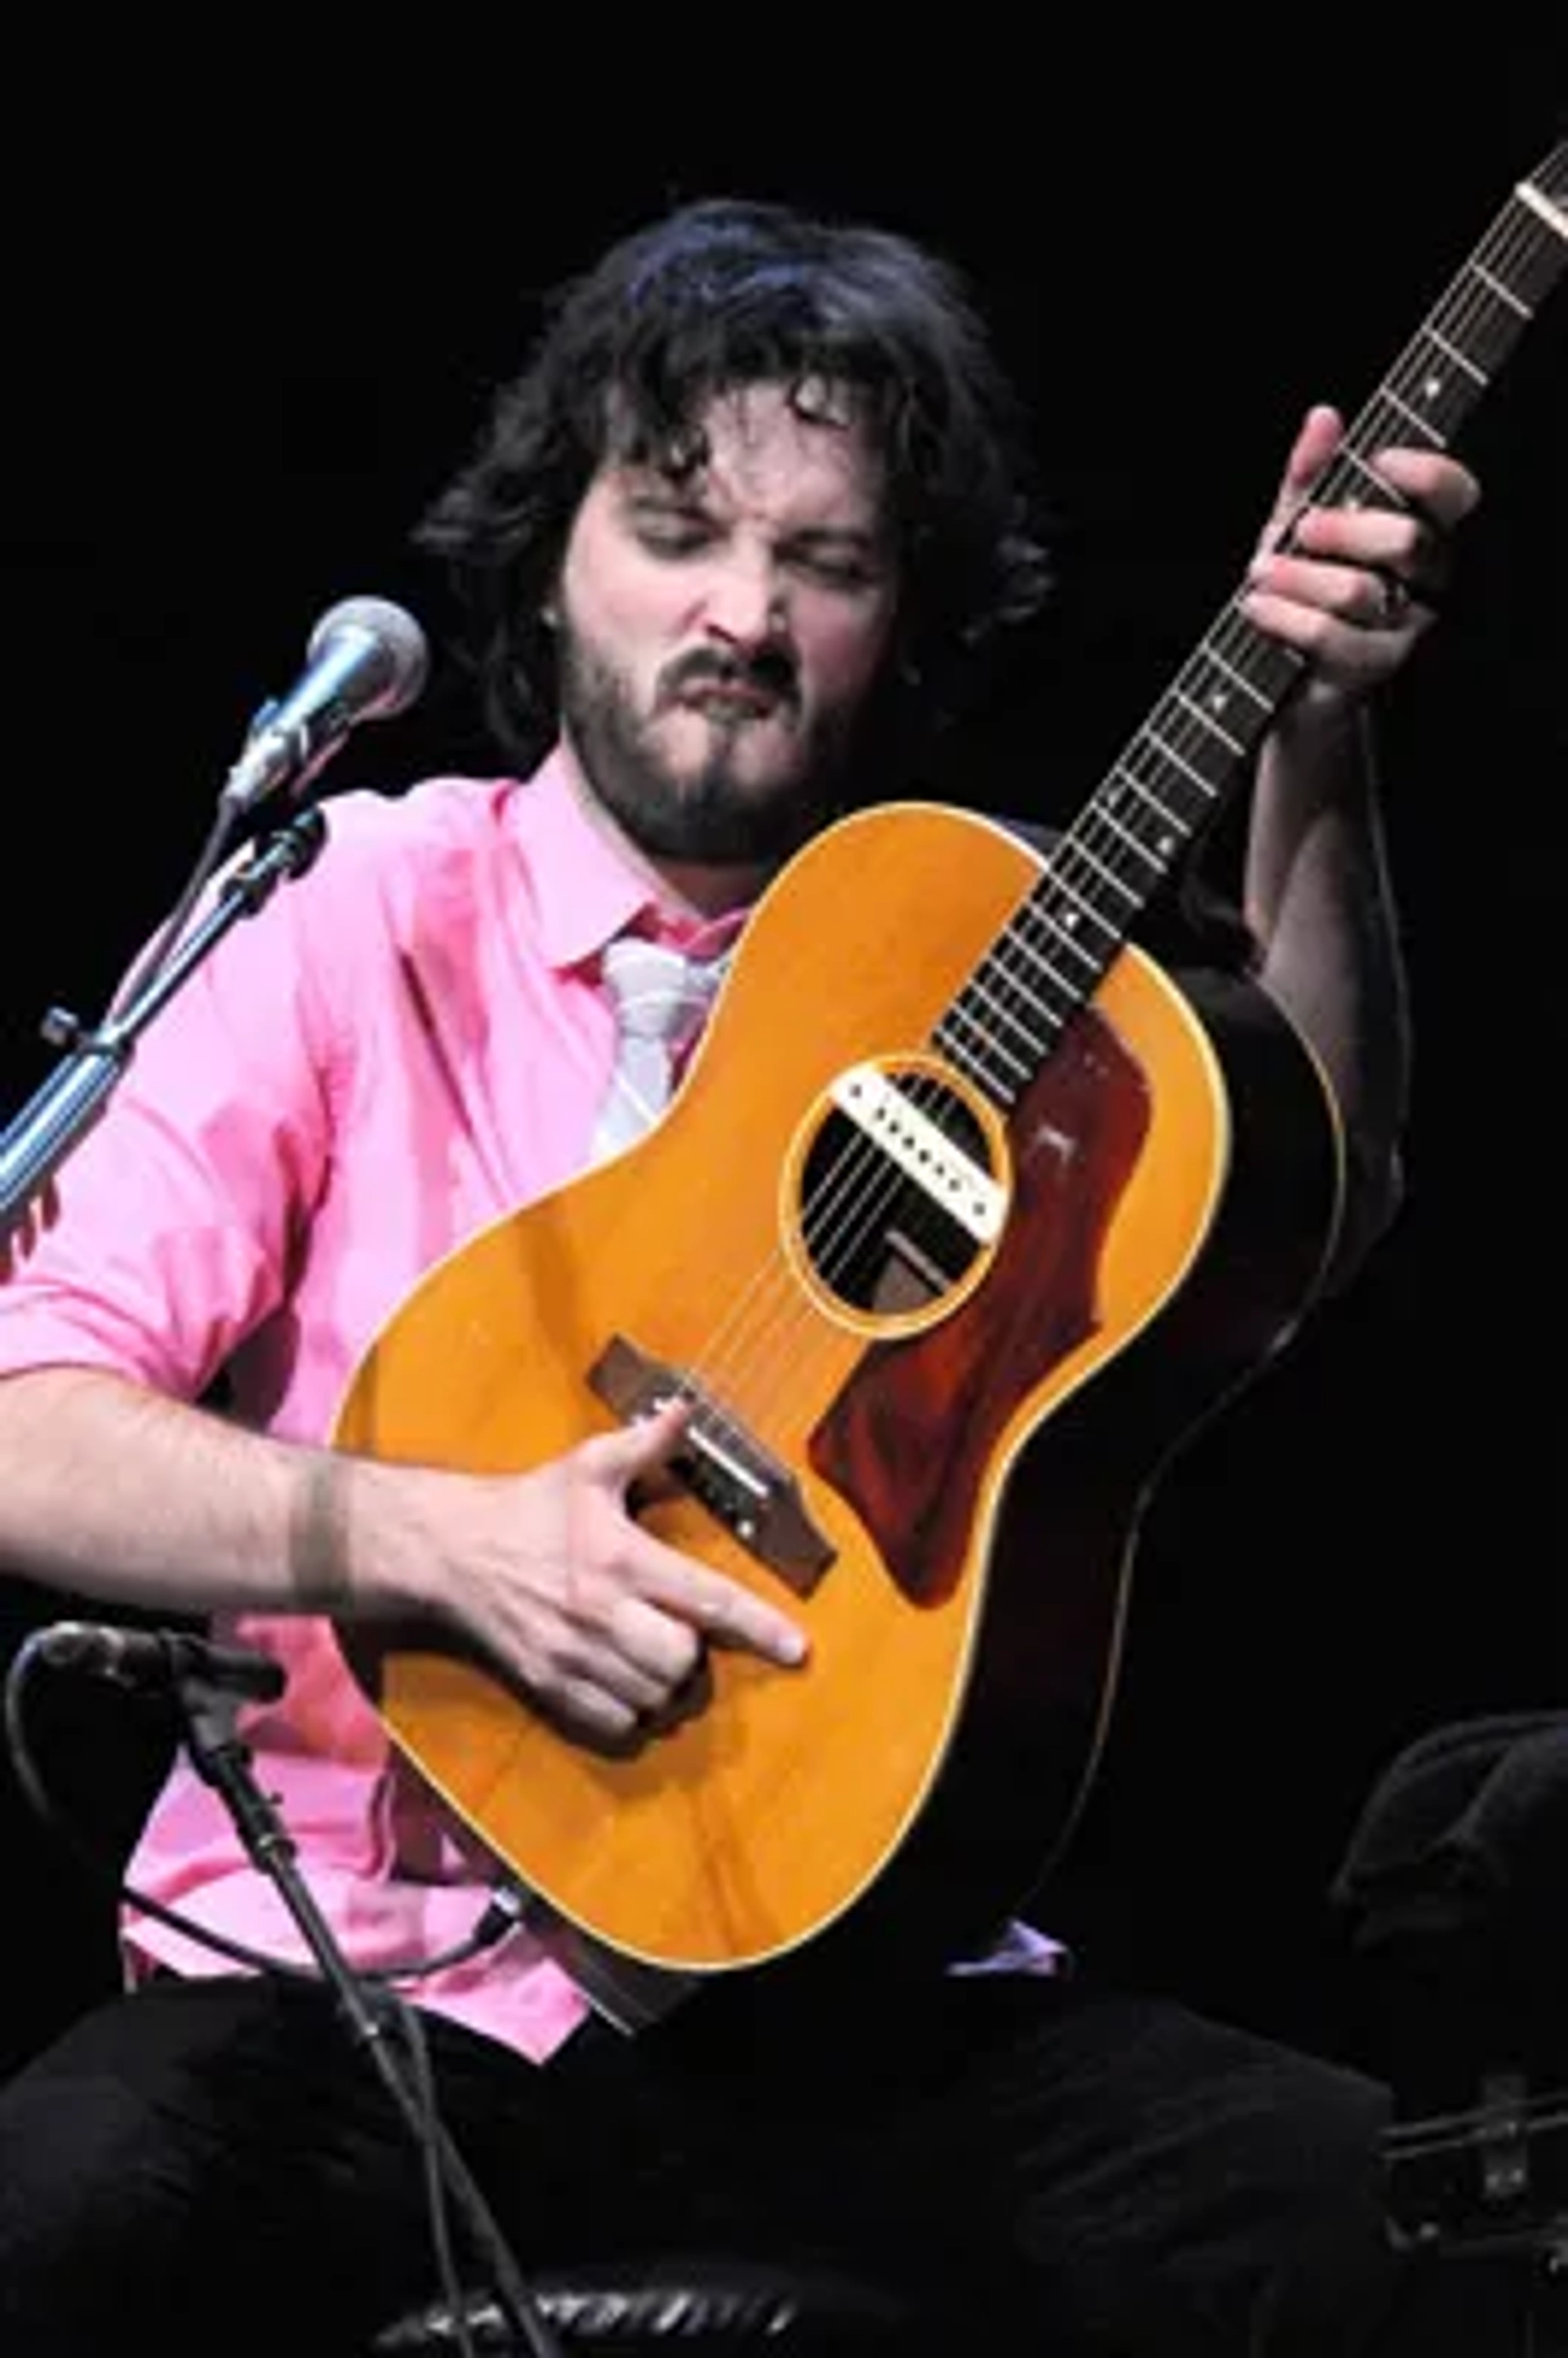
(660, 998)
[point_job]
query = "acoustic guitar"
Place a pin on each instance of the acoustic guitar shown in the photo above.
(966, 1219)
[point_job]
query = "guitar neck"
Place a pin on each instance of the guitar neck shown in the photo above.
(1196, 743)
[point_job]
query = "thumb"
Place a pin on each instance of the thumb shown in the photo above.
(642, 1447)
(1317, 439)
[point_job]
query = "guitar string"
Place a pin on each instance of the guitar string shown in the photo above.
(1100, 843)
(1467, 310)
(1234, 636)
(1186, 728)
(1181, 723)
(1182, 728)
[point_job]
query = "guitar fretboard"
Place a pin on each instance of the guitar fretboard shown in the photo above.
(1169, 779)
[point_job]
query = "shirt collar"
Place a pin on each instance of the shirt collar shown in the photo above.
(589, 891)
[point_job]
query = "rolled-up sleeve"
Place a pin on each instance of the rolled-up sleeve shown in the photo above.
(179, 1211)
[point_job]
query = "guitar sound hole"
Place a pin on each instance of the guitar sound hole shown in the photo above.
(878, 1234)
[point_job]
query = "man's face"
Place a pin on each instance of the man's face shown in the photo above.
(720, 629)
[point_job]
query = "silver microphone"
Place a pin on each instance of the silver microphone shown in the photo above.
(368, 661)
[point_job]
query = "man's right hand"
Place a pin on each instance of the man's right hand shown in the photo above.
(605, 1624)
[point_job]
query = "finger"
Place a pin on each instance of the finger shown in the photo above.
(633, 1451)
(1387, 543)
(675, 1655)
(649, 1674)
(662, 1649)
(686, 1702)
(1437, 489)
(719, 1609)
(597, 1677)
(592, 1714)
(1317, 439)
(1351, 652)
(1429, 494)
(589, 1709)
(1371, 597)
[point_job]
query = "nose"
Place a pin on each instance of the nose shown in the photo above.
(744, 606)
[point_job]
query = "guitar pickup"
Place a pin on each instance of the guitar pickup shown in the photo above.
(743, 1487)
(883, 1109)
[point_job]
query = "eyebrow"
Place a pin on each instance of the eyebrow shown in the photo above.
(687, 498)
(840, 535)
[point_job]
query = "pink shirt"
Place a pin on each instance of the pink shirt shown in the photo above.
(429, 991)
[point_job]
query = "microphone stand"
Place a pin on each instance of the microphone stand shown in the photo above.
(225, 1762)
(32, 1148)
(37, 1141)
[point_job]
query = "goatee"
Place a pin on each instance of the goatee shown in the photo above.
(711, 815)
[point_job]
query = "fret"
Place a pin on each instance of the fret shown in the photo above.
(976, 1056)
(1490, 335)
(1202, 714)
(1065, 923)
(1185, 808)
(1268, 668)
(1017, 939)
(1488, 327)
(1013, 1008)
(1442, 387)
(969, 1061)
(1539, 202)
(1386, 496)
(1135, 843)
(1080, 908)
(1099, 877)
(1208, 786)
(1035, 1023)
(1092, 960)
(970, 1067)
(1530, 267)
(1423, 424)
(1176, 833)
(1004, 971)
(1238, 678)
(1505, 295)
(1461, 360)
(1119, 884)
(998, 1019)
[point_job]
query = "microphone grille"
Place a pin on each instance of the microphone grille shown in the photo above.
(403, 644)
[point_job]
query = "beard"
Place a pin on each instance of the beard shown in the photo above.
(709, 813)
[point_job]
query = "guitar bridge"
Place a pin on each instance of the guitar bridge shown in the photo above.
(742, 1485)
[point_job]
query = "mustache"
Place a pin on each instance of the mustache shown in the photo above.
(770, 671)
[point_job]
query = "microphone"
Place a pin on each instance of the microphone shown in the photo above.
(368, 661)
(156, 1661)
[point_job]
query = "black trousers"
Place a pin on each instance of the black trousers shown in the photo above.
(216, 2167)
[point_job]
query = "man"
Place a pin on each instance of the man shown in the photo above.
(730, 542)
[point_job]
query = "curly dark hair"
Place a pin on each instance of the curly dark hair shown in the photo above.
(719, 294)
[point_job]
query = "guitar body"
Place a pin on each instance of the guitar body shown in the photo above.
(961, 1458)
(965, 1220)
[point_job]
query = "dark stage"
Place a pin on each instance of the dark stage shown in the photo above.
(232, 386)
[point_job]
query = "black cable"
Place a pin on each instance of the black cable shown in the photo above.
(219, 838)
(500, 1916)
(436, 2193)
(438, 2160)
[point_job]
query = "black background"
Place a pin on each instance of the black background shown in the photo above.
(249, 331)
